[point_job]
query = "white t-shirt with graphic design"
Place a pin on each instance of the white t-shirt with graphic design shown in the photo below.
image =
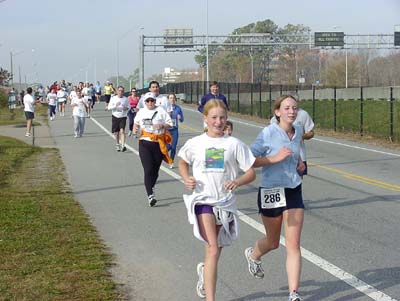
(215, 161)
(146, 118)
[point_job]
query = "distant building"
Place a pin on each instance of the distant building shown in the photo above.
(171, 75)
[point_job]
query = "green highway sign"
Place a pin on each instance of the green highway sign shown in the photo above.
(326, 39)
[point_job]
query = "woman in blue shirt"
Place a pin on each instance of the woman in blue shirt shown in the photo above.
(277, 151)
(176, 116)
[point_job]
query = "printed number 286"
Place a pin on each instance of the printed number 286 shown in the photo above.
(272, 198)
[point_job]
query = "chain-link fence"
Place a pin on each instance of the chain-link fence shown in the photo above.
(371, 111)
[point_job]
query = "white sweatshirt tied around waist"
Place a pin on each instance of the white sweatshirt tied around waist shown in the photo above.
(225, 208)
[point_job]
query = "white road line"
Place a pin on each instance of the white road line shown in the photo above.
(316, 139)
(351, 280)
(357, 147)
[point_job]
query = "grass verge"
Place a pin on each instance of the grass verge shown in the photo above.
(48, 248)
(17, 116)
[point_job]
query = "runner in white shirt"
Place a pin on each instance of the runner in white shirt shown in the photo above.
(79, 114)
(61, 99)
(41, 92)
(161, 100)
(87, 95)
(72, 94)
(216, 161)
(29, 109)
(52, 101)
(119, 104)
(152, 123)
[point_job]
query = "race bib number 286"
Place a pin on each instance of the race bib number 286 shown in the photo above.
(272, 197)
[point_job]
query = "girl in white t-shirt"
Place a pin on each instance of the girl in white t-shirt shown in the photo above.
(61, 99)
(87, 96)
(72, 94)
(216, 160)
(52, 101)
(79, 106)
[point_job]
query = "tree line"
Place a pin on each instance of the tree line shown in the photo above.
(293, 64)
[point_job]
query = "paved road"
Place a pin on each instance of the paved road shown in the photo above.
(350, 238)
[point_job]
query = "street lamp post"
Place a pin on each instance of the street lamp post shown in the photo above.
(95, 70)
(19, 75)
(12, 65)
(141, 59)
(346, 69)
(208, 69)
(117, 63)
(345, 49)
(118, 40)
(252, 64)
(141, 62)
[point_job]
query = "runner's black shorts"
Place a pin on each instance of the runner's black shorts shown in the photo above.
(294, 199)
(29, 115)
(117, 124)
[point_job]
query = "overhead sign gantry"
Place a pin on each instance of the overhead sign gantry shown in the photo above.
(183, 40)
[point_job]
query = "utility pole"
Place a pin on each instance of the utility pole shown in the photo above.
(208, 68)
(19, 73)
(11, 67)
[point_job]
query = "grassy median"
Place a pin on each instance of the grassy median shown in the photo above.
(17, 116)
(48, 248)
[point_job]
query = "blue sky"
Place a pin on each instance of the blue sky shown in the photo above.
(76, 40)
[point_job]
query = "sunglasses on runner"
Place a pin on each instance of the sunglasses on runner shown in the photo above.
(150, 99)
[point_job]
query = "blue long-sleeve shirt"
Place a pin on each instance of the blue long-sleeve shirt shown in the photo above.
(268, 143)
(209, 96)
(176, 110)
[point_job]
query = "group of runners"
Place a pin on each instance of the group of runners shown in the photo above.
(213, 165)
(81, 97)
(216, 158)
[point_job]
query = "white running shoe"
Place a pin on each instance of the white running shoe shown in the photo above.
(200, 283)
(152, 200)
(255, 268)
(294, 296)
